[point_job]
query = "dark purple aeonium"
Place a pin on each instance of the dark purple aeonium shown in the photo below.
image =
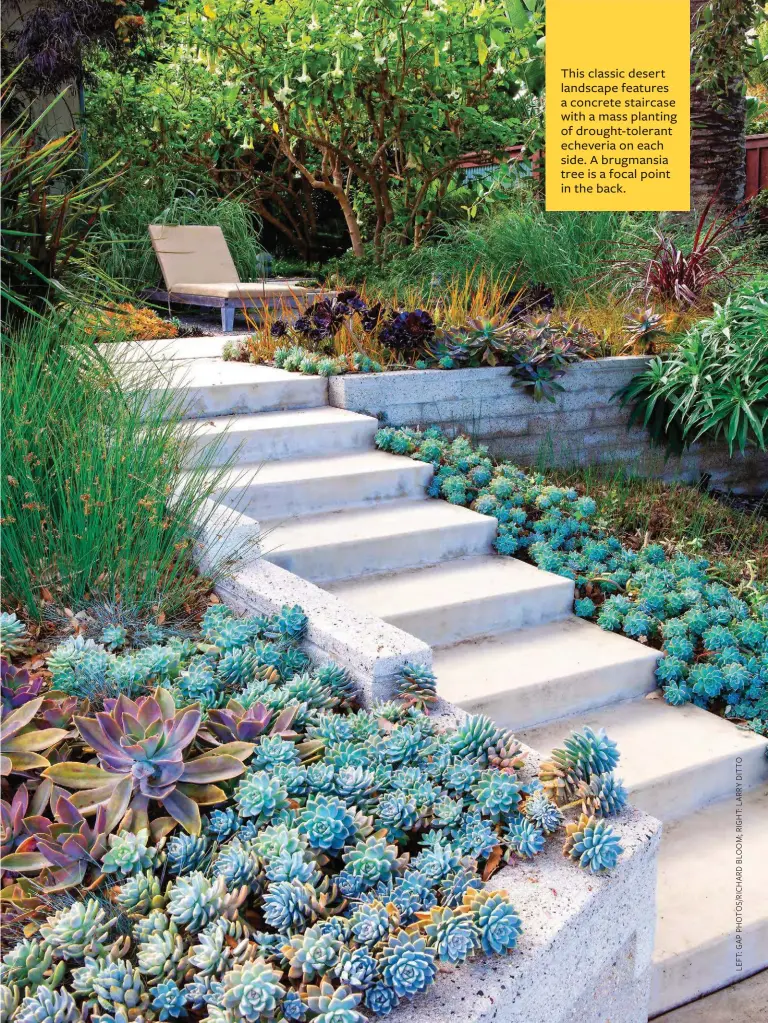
(145, 739)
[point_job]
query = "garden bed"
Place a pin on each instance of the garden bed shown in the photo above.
(582, 426)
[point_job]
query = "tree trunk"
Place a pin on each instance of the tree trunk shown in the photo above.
(718, 139)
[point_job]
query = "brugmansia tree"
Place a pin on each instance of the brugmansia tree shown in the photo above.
(723, 51)
(379, 98)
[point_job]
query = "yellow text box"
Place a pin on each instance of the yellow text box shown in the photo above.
(618, 105)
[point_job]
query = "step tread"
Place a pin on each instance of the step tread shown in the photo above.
(206, 373)
(258, 422)
(294, 470)
(697, 869)
(452, 583)
(655, 739)
(386, 519)
(523, 658)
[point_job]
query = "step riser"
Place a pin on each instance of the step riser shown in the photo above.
(440, 626)
(297, 442)
(540, 704)
(245, 399)
(683, 979)
(678, 795)
(334, 493)
(349, 560)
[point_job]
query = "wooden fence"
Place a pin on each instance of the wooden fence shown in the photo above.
(476, 164)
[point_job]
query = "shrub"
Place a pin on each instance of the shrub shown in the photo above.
(49, 207)
(97, 503)
(715, 384)
(354, 886)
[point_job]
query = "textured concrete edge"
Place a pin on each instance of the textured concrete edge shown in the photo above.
(582, 426)
(370, 649)
(585, 951)
(594, 930)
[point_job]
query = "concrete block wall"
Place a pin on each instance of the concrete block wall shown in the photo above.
(582, 426)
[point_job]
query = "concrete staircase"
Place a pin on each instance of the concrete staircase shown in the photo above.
(355, 521)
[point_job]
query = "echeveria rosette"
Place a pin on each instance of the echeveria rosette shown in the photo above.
(452, 932)
(145, 740)
(592, 843)
(253, 990)
(496, 919)
(311, 954)
(47, 1006)
(327, 822)
(407, 963)
(331, 1004)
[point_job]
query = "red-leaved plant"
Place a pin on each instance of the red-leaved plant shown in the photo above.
(667, 274)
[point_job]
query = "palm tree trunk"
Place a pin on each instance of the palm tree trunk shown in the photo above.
(718, 146)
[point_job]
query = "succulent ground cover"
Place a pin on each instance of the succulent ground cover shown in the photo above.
(714, 642)
(526, 335)
(209, 827)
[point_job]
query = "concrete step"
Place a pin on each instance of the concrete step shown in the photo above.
(526, 678)
(268, 436)
(389, 536)
(462, 599)
(698, 949)
(674, 760)
(211, 387)
(314, 485)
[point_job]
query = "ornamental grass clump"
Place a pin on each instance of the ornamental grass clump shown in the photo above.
(714, 642)
(284, 854)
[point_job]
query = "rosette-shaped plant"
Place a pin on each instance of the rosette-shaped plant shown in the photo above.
(128, 853)
(140, 893)
(497, 795)
(592, 843)
(17, 686)
(472, 739)
(372, 860)
(145, 740)
(236, 723)
(290, 905)
(497, 921)
(370, 923)
(194, 901)
(603, 796)
(327, 822)
(542, 812)
(452, 933)
(262, 796)
(253, 990)
(239, 865)
(163, 953)
(311, 954)
(185, 853)
(357, 968)
(29, 964)
(407, 963)
(78, 930)
(21, 743)
(333, 1005)
(118, 986)
(47, 1006)
(524, 837)
(169, 1001)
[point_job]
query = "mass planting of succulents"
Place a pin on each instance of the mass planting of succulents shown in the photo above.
(211, 828)
(535, 344)
(714, 643)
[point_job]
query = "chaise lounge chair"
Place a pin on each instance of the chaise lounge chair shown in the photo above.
(198, 270)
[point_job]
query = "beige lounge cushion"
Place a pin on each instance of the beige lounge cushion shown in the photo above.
(194, 255)
(257, 289)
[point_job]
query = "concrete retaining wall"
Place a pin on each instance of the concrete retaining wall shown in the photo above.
(583, 426)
